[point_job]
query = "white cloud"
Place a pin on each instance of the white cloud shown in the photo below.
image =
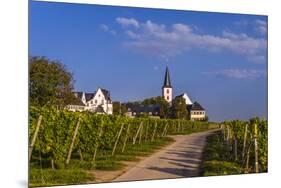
(106, 29)
(259, 59)
(125, 22)
(238, 73)
(163, 40)
(261, 27)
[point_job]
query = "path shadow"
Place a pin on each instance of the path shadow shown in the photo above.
(180, 172)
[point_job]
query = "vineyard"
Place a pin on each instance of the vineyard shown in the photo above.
(240, 147)
(57, 137)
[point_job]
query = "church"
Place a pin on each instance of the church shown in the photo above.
(195, 110)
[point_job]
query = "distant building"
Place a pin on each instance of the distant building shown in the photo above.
(98, 101)
(134, 109)
(196, 112)
(185, 97)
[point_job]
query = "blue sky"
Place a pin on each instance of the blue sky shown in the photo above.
(220, 60)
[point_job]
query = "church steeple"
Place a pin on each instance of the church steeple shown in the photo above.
(167, 89)
(167, 81)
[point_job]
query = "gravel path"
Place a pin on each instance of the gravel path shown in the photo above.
(180, 159)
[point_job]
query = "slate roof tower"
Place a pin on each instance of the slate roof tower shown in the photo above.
(167, 89)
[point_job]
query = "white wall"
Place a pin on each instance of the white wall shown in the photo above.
(167, 96)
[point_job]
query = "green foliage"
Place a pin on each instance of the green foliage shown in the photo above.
(179, 110)
(164, 105)
(58, 177)
(96, 131)
(119, 109)
(217, 158)
(50, 83)
(215, 168)
(220, 157)
(238, 129)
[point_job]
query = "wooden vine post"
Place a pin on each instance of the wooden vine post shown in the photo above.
(164, 130)
(227, 135)
(135, 137)
(117, 139)
(256, 148)
(178, 127)
(34, 137)
(80, 155)
(165, 133)
(244, 142)
(72, 142)
(140, 133)
(146, 132)
(224, 132)
(235, 149)
(97, 146)
(155, 127)
(126, 137)
(248, 157)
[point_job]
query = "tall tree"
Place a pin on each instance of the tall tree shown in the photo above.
(119, 109)
(50, 83)
(179, 110)
(164, 105)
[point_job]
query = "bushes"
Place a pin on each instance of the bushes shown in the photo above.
(236, 148)
(58, 177)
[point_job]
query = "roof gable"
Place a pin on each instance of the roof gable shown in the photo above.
(195, 107)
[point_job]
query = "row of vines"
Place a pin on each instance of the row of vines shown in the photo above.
(248, 143)
(55, 134)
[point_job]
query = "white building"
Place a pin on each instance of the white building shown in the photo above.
(186, 98)
(167, 89)
(98, 101)
(196, 111)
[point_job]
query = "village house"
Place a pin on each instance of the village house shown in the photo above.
(195, 110)
(99, 101)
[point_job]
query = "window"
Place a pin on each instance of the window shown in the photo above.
(96, 101)
(167, 91)
(167, 97)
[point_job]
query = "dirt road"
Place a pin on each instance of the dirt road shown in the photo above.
(180, 159)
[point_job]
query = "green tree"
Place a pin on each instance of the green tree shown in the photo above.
(164, 105)
(119, 109)
(178, 109)
(50, 83)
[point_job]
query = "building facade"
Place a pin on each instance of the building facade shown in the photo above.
(99, 101)
(167, 89)
(195, 110)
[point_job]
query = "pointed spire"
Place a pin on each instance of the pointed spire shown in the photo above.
(167, 81)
